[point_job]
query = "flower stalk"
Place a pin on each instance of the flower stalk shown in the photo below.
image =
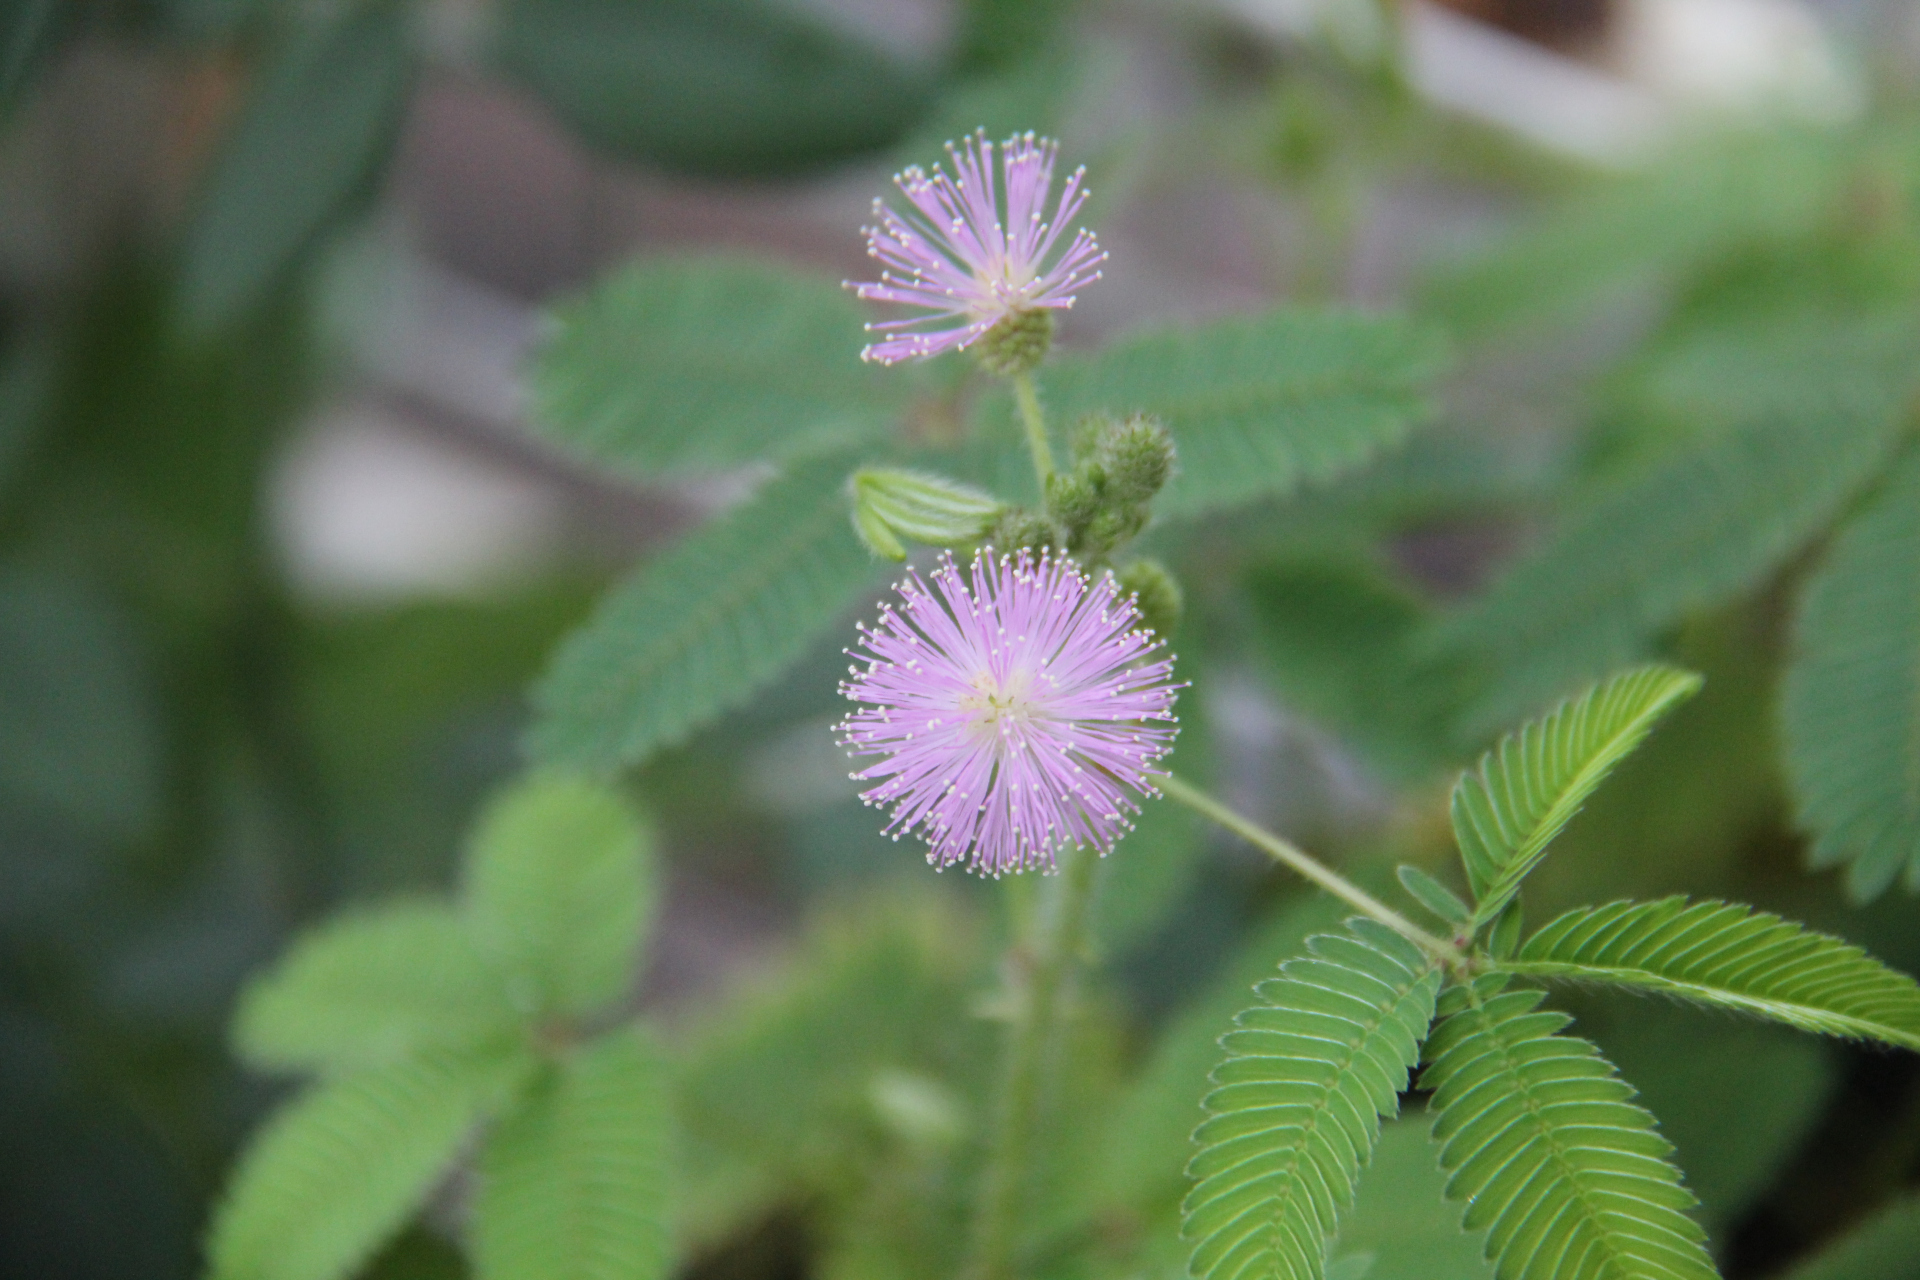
(1040, 974)
(1304, 864)
(1035, 421)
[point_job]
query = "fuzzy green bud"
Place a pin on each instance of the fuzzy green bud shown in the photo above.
(1017, 344)
(1156, 594)
(890, 505)
(1137, 456)
(1019, 527)
(1075, 499)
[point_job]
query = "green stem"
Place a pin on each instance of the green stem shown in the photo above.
(1297, 860)
(1040, 970)
(1036, 423)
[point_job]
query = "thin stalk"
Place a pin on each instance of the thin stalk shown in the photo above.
(1297, 860)
(1040, 971)
(1035, 422)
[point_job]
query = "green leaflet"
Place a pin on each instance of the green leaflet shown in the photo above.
(1695, 529)
(1257, 406)
(1296, 1105)
(335, 1174)
(573, 1184)
(710, 87)
(308, 146)
(703, 627)
(1543, 1144)
(891, 504)
(1507, 811)
(558, 890)
(372, 987)
(1731, 956)
(700, 364)
(1851, 708)
(1884, 1247)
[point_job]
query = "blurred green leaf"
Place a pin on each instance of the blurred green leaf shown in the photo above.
(1689, 208)
(1257, 406)
(708, 87)
(80, 732)
(574, 1182)
(308, 147)
(332, 1176)
(700, 629)
(559, 890)
(1884, 1247)
(31, 32)
(1337, 637)
(1851, 707)
(1685, 533)
(371, 987)
(1508, 809)
(1400, 1218)
(707, 363)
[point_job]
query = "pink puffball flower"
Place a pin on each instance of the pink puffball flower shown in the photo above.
(1018, 708)
(967, 262)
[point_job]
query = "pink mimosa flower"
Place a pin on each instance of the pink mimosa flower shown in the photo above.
(968, 264)
(1017, 709)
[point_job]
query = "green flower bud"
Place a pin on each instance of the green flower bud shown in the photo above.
(1156, 594)
(1017, 344)
(1019, 527)
(1137, 456)
(890, 505)
(1074, 499)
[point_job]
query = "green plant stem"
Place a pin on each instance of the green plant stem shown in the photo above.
(1299, 861)
(1040, 972)
(1036, 423)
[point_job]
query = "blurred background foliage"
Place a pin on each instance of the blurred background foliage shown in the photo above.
(280, 558)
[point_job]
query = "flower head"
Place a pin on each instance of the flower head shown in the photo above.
(1018, 708)
(965, 261)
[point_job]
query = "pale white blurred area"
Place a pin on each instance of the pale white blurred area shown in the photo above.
(368, 510)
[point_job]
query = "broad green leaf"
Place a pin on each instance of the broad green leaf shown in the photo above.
(1884, 1247)
(1733, 957)
(80, 740)
(371, 987)
(702, 628)
(699, 364)
(708, 87)
(574, 1182)
(1508, 809)
(558, 890)
(1696, 528)
(337, 1172)
(1297, 1104)
(890, 504)
(1809, 361)
(308, 146)
(1851, 708)
(1257, 406)
(1544, 1146)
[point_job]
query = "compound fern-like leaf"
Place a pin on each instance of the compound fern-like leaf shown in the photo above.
(1296, 1105)
(336, 1173)
(373, 987)
(700, 629)
(1527, 788)
(1734, 957)
(1542, 1141)
(573, 1184)
(1851, 710)
(558, 888)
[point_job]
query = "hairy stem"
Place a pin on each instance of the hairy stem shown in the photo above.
(1039, 974)
(1035, 422)
(1297, 860)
